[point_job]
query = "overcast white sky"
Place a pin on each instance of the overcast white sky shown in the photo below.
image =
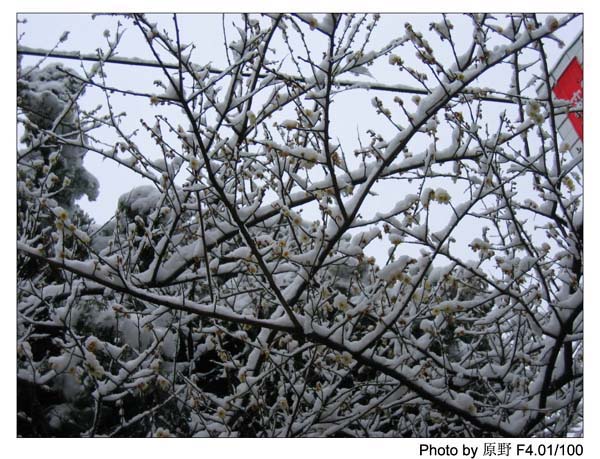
(352, 111)
(86, 35)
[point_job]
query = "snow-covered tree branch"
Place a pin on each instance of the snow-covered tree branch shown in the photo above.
(409, 265)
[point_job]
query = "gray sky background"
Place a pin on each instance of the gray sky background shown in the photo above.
(352, 111)
(205, 30)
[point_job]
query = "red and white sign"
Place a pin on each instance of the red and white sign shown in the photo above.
(567, 85)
